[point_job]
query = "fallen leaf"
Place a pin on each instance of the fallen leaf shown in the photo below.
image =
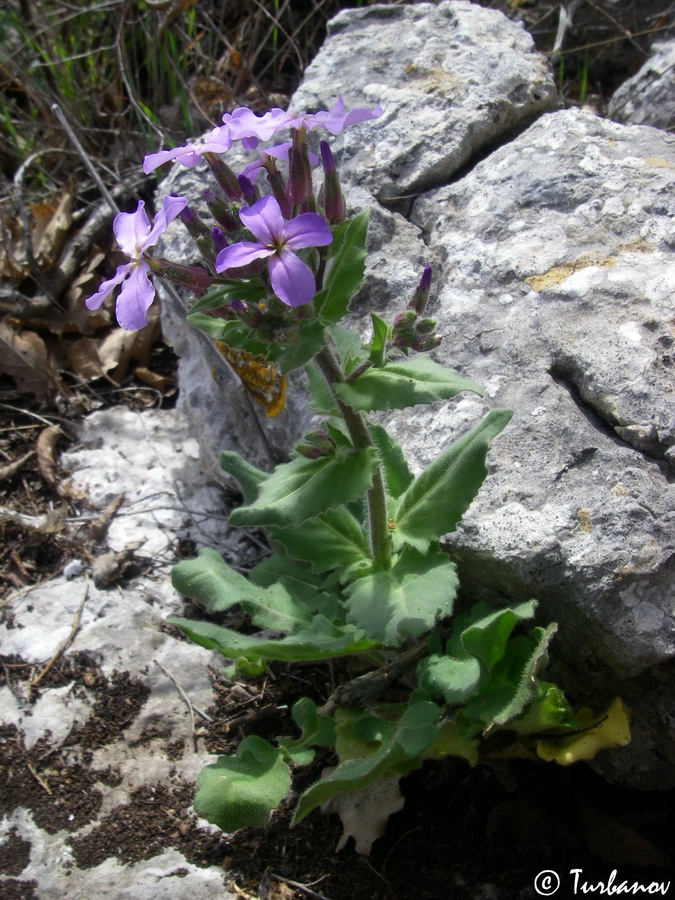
(12, 468)
(162, 383)
(46, 453)
(51, 221)
(364, 813)
(25, 358)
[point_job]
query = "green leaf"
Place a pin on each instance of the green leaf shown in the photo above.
(233, 333)
(350, 349)
(416, 731)
(406, 383)
(344, 268)
(308, 341)
(404, 601)
(223, 294)
(486, 637)
(304, 488)
(316, 730)
(301, 582)
(456, 680)
(248, 476)
(396, 472)
(217, 587)
(378, 343)
(512, 683)
(321, 400)
(322, 640)
(333, 539)
(438, 498)
(243, 789)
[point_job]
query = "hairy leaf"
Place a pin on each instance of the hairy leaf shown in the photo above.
(321, 640)
(333, 539)
(378, 343)
(248, 476)
(218, 587)
(242, 790)
(231, 289)
(438, 498)
(400, 384)
(396, 472)
(344, 268)
(304, 488)
(404, 601)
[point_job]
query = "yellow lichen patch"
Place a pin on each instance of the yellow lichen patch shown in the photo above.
(584, 520)
(261, 379)
(558, 274)
(658, 163)
(612, 730)
(634, 245)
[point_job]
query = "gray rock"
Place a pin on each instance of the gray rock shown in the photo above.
(557, 268)
(453, 78)
(648, 98)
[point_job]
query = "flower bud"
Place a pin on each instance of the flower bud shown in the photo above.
(405, 320)
(299, 186)
(276, 182)
(426, 342)
(333, 198)
(221, 211)
(249, 314)
(227, 180)
(218, 238)
(322, 440)
(425, 326)
(249, 190)
(195, 278)
(196, 228)
(420, 298)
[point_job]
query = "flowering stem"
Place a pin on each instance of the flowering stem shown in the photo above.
(380, 547)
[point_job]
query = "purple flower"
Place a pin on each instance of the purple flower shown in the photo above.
(245, 126)
(335, 119)
(219, 141)
(292, 280)
(135, 235)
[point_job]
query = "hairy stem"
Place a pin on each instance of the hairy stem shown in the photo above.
(329, 364)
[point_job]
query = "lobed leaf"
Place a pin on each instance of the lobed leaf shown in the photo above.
(404, 601)
(333, 539)
(242, 790)
(248, 476)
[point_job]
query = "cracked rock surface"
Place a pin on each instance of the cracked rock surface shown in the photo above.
(553, 245)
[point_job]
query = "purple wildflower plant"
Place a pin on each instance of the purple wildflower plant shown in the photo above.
(135, 236)
(292, 280)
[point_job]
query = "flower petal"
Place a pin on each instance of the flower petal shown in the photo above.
(292, 280)
(171, 206)
(264, 219)
(135, 297)
(306, 230)
(237, 255)
(132, 229)
(219, 141)
(106, 288)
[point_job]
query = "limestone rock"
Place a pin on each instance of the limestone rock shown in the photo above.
(648, 98)
(453, 79)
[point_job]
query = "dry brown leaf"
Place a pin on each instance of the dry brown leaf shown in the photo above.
(13, 262)
(99, 527)
(25, 358)
(51, 222)
(163, 383)
(12, 468)
(109, 566)
(83, 358)
(120, 348)
(46, 452)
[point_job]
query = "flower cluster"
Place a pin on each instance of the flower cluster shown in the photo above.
(287, 221)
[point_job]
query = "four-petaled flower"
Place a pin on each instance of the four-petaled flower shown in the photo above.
(334, 119)
(292, 280)
(135, 235)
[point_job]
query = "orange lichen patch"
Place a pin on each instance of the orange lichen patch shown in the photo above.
(261, 379)
(558, 274)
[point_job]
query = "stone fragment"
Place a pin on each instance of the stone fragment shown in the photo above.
(648, 98)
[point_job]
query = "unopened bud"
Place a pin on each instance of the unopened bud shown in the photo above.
(333, 198)
(278, 186)
(249, 314)
(221, 211)
(404, 321)
(420, 298)
(308, 451)
(196, 228)
(427, 342)
(195, 278)
(249, 190)
(323, 441)
(299, 186)
(425, 326)
(218, 238)
(227, 180)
